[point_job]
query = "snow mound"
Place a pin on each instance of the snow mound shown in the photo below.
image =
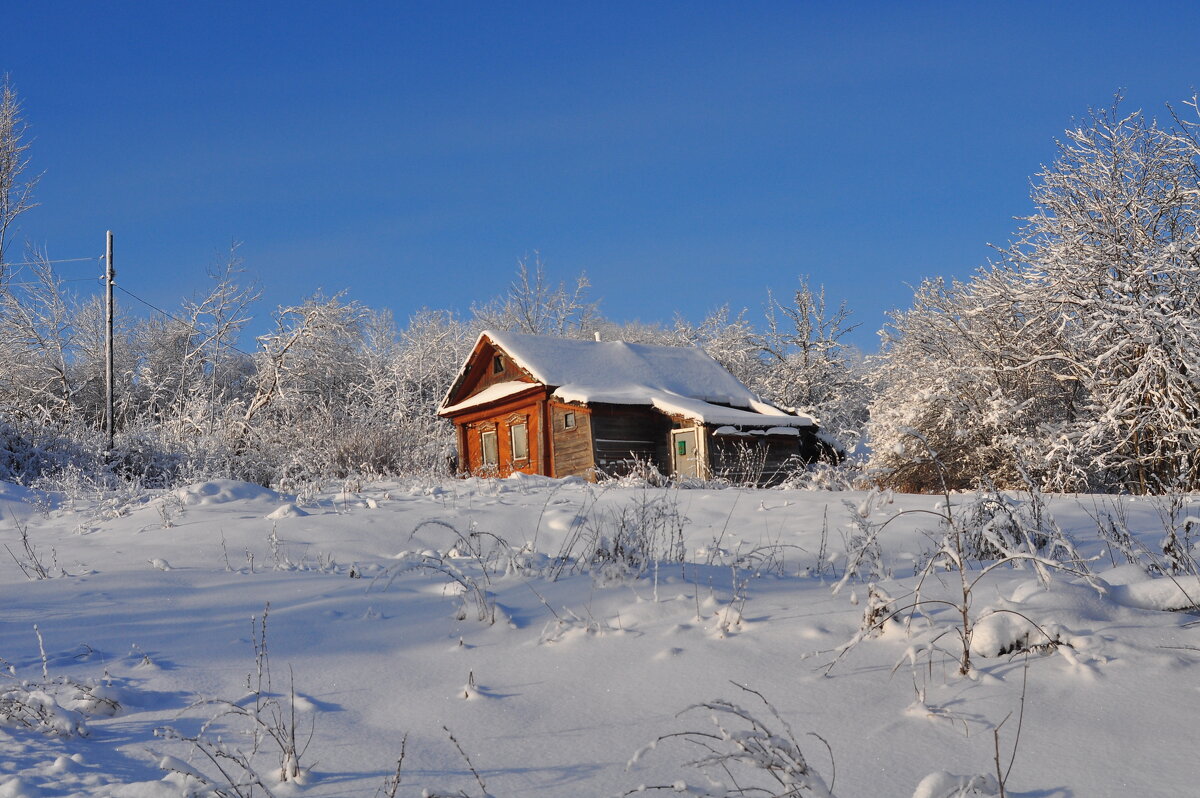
(16, 502)
(16, 788)
(1131, 586)
(947, 785)
(10, 491)
(1005, 632)
(288, 510)
(1168, 594)
(223, 491)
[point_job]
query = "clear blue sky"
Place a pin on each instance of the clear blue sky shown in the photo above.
(685, 155)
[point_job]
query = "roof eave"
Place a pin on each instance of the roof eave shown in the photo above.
(492, 403)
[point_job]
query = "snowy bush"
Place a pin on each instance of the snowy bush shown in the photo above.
(1072, 352)
(56, 706)
(742, 754)
(615, 542)
(263, 718)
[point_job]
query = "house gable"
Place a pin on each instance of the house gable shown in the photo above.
(487, 365)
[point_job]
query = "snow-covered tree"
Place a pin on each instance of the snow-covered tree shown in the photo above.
(16, 190)
(188, 365)
(797, 360)
(948, 403)
(536, 306)
(1074, 355)
(38, 345)
(730, 339)
(808, 365)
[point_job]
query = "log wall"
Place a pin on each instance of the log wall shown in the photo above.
(626, 435)
(573, 454)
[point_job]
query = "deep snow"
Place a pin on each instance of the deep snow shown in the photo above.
(375, 601)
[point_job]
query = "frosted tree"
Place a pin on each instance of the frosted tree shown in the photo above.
(949, 403)
(189, 367)
(809, 365)
(729, 339)
(536, 306)
(1072, 358)
(799, 360)
(302, 373)
(1110, 260)
(38, 344)
(16, 190)
(392, 424)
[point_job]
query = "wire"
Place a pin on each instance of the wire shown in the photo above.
(16, 266)
(72, 280)
(40, 262)
(173, 318)
(101, 278)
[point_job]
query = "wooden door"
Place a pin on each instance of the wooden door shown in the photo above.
(683, 453)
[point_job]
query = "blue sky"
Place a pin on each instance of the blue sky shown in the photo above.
(684, 155)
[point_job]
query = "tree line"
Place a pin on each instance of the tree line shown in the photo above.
(1068, 362)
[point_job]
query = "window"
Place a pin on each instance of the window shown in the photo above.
(497, 365)
(491, 455)
(569, 420)
(520, 441)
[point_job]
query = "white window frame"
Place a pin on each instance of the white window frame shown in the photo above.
(483, 448)
(523, 437)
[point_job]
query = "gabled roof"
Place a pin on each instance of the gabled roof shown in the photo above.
(674, 379)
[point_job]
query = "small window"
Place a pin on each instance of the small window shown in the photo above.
(491, 455)
(569, 420)
(497, 364)
(520, 441)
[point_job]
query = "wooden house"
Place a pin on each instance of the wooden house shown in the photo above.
(561, 407)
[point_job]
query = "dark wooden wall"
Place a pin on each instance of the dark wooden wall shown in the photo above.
(624, 435)
(756, 459)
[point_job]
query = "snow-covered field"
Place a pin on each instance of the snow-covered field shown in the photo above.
(441, 621)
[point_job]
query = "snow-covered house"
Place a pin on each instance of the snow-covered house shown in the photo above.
(561, 407)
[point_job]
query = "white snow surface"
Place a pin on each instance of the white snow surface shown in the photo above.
(683, 380)
(560, 688)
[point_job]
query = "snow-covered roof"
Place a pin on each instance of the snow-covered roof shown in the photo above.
(679, 380)
(492, 393)
(731, 431)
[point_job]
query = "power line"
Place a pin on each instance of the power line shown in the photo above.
(41, 262)
(101, 278)
(72, 280)
(17, 269)
(187, 324)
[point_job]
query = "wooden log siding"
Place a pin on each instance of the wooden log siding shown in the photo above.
(624, 435)
(502, 418)
(572, 448)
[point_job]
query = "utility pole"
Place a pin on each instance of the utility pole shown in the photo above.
(109, 274)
